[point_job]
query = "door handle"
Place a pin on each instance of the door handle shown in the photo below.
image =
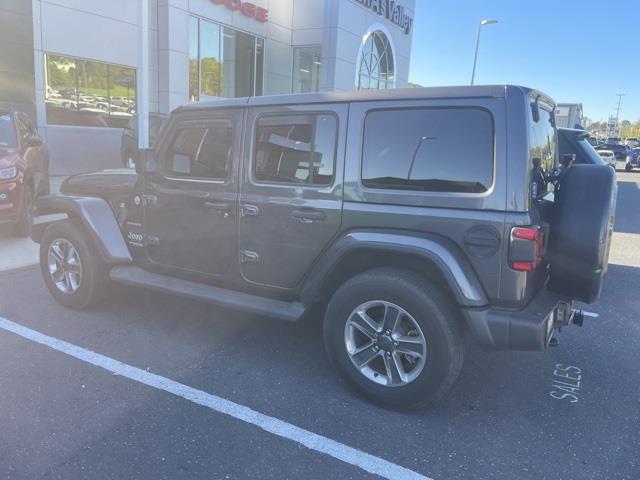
(223, 207)
(308, 215)
(248, 210)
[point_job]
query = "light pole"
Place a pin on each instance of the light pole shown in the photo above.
(475, 58)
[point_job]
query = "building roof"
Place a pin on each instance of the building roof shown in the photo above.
(479, 91)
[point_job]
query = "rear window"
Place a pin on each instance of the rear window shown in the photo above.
(429, 149)
(542, 137)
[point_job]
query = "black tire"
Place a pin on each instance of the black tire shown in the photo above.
(24, 222)
(93, 282)
(581, 231)
(628, 168)
(437, 316)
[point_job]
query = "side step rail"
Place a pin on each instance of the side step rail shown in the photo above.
(138, 277)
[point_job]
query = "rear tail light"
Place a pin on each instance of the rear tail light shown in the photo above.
(527, 247)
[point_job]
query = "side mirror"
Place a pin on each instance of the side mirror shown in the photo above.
(32, 142)
(146, 161)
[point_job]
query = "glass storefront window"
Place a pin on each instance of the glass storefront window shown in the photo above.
(223, 62)
(306, 68)
(87, 93)
(194, 55)
(209, 59)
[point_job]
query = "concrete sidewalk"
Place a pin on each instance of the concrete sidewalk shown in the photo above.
(21, 252)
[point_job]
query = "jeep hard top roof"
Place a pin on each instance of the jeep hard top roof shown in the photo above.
(480, 91)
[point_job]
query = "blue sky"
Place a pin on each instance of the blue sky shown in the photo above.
(575, 51)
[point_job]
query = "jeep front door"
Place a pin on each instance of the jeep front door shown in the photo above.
(291, 192)
(190, 203)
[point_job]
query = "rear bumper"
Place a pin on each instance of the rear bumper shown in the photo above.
(526, 329)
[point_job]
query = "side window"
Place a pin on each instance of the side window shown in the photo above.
(297, 148)
(429, 149)
(201, 152)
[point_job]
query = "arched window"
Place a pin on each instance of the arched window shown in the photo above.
(376, 63)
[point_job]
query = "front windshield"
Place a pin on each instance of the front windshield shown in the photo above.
(7, 131)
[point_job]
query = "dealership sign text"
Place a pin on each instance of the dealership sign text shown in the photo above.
(391, 10)
(247, 8)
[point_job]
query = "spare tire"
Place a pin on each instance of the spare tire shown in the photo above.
(581, 231)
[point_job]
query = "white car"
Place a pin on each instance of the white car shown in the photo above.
(632, 142)
(609, 157)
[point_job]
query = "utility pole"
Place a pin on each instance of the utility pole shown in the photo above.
(620, 95)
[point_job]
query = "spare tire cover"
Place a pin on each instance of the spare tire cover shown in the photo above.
(581, 231)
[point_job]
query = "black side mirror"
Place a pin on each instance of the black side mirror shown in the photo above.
(32, 142)
(146, 161)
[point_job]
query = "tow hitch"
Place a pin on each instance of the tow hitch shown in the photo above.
(565, 315)
(578, 316)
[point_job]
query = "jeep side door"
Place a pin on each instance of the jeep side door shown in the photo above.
(291, 191)
(190, 203)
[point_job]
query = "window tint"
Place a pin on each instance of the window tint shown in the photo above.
(296, 149)
(203, 152)
(435, 149)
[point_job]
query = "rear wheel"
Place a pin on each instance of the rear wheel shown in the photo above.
(72, 270)
(395, 338)
(24, 222)
(628, 167)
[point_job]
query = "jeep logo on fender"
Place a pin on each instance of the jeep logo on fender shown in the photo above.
(247, 8)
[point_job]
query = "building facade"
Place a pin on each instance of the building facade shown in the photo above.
(86, 55)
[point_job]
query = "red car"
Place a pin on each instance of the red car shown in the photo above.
(24, 170)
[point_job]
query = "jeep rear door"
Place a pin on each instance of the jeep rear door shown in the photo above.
(291, 190)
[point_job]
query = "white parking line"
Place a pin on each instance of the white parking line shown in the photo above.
(313, 441)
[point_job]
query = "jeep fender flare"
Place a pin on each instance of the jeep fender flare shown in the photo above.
(96, 215)
(442, 253)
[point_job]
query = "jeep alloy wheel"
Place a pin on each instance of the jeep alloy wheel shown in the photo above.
(385, 343)
(65, 266)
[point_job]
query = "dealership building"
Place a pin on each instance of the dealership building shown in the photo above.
(74, 65)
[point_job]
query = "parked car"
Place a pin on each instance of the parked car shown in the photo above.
(619, 150)
(633, 159)
(578, 142)
(608, 157)
(365, 206)
(24, 170)
(129, 142)
(632, 142)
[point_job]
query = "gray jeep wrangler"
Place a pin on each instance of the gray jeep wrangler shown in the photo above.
(411, 217)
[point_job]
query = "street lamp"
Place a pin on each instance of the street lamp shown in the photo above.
(475, 58)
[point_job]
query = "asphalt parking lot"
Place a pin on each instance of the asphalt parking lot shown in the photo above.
(572, 412)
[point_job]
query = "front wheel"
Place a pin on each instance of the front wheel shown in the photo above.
(628, 167)
(395, 337)
(74, 273)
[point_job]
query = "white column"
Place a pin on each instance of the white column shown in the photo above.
(143, 77)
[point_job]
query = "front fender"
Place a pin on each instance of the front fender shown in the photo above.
(96, 215)
(441, 252)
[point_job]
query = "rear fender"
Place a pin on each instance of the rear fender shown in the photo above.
(96, 215)
(443, 254)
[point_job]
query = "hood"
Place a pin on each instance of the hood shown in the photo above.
(121, 181)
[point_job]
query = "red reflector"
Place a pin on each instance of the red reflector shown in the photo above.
(523, 266)
(526, 233)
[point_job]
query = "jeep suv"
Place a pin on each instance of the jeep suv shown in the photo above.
(365, 204)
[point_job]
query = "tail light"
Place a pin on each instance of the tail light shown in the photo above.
(527, 248)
